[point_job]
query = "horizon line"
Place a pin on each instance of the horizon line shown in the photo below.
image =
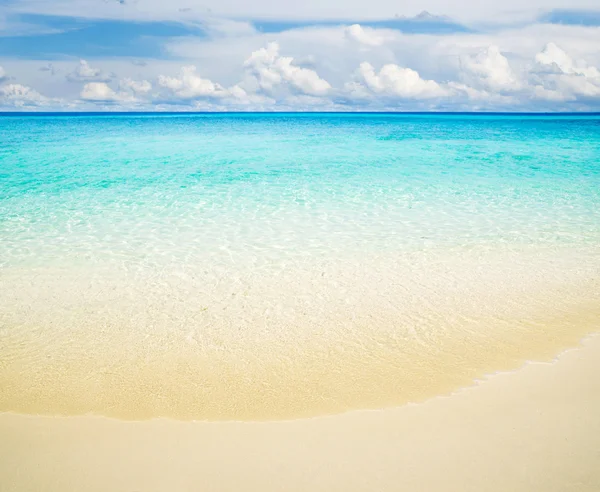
(483, 113)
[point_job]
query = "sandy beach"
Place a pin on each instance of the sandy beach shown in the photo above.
(279, 302)
(534, 429)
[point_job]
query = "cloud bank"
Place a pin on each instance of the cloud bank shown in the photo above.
(226, 64)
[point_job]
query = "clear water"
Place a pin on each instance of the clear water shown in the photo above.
(243, 259)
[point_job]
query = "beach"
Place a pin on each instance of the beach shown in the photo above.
(536, 428)
(299, 302)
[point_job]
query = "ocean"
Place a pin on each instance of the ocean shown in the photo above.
(274, 266)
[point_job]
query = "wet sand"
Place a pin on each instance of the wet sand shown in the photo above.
(306, 342)
(534, 429)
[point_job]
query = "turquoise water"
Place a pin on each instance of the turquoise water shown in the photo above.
(171, 187)
(330, 227)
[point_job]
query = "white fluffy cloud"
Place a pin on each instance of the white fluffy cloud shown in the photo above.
(537, 67)
(553, 56)
(130, 91)
(490, 69)
(560, 78)
(84, 72)
(267, 79)
(485, 79)
(393, 80)
(267, 71)
(190, 85)
(100, 92)
(20, 96)
(203, 93)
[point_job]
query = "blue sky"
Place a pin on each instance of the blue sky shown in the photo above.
(318, 55)
(59, 37)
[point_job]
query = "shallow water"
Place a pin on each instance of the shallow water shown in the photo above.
(273, 266)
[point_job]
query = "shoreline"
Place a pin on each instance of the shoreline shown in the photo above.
(588, 338)
(534, 428)
(301, 343)
(500, 359)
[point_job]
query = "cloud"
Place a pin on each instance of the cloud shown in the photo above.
(267, 71)
(561, 78)
(485, 79)
(535, 67)
(490, 69)
(355, 32)
(20, 96)
(49, 67)
(540, 92)
(422, 23)
(554, 56)
(100, 92)
(86, 73)
(267, 78)
(396, 81)
(473, 99)
(222, 27)
(190, 85)
(130, 92)
(139, 88)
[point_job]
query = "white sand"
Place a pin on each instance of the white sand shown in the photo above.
(535, 429)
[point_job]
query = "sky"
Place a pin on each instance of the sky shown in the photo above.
(314, 55)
